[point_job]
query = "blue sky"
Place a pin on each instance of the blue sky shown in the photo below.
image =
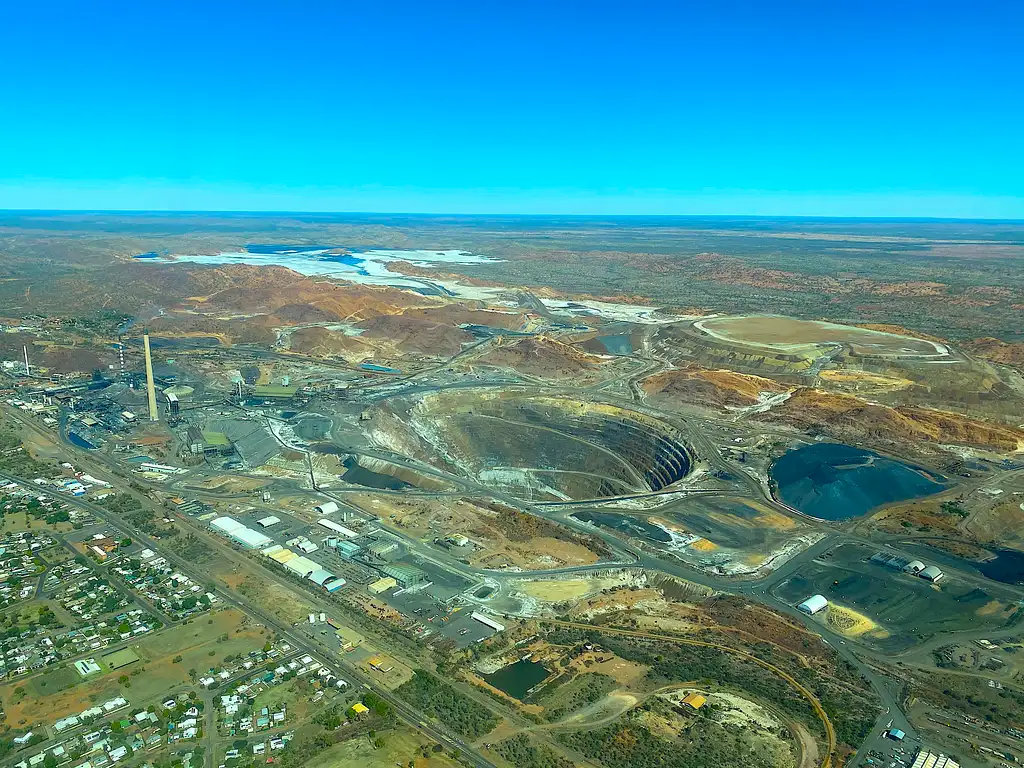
(800, 108)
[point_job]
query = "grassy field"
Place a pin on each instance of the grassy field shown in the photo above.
(399, 748)
(63, 692)
(121, 658)
(22, 521)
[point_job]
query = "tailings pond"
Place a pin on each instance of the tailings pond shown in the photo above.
(516, 679)
(1007, 566)
(832, 481)
(360, 475)
(620, 344)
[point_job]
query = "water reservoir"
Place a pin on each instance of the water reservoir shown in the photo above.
(516, 679)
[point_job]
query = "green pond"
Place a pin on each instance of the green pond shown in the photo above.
(516, 679)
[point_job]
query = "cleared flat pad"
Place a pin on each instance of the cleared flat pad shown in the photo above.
(788, 333)
(121, 658)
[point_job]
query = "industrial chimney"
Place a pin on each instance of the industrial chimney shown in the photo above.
(150, 384)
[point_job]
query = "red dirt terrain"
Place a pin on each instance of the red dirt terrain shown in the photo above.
(717, 389)
(421, 337)
(849, 418)
(997, 351)
(342, 302)
(540, 356)
(323, 342)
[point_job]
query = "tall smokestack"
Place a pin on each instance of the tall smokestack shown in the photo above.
(150, 384)
(28, 371)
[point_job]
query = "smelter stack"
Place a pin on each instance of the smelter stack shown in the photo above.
(150, 384)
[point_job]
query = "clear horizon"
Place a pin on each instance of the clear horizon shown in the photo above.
(740, 109)
(491, 214)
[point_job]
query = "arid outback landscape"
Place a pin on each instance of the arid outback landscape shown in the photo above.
(578, 491)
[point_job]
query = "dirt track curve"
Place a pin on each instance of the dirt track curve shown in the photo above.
(830, 733)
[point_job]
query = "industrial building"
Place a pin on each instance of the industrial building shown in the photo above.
(347, 548)
(239, 533)
(301, 542)
(274, 392)
(927, 759)
(898, 563)
(333, 585)
(488, 621)
(406, 575)
(301, 566)
(382, 585)
(327, 508)
(320, 576)
(895, 562)
(813, 604)
(382, 548)
(217, 443)
(330, 525)
(304, 567)
(267, 522)
(931, 573)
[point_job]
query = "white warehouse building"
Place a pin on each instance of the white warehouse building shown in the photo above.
(235, 531)
(813, 604)
(330, 525)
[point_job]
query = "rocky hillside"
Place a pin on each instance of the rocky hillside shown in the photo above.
(717, 389)
(997, 351)
(413, 335)
(845, 417)
(540, 356)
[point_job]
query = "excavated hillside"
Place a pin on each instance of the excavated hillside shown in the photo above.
(323, 342)
(414, 336)
(303, 313)
(540, 356)
(849, 418)
(717, 389)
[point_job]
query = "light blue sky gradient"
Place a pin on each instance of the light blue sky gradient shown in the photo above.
(789, 108)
